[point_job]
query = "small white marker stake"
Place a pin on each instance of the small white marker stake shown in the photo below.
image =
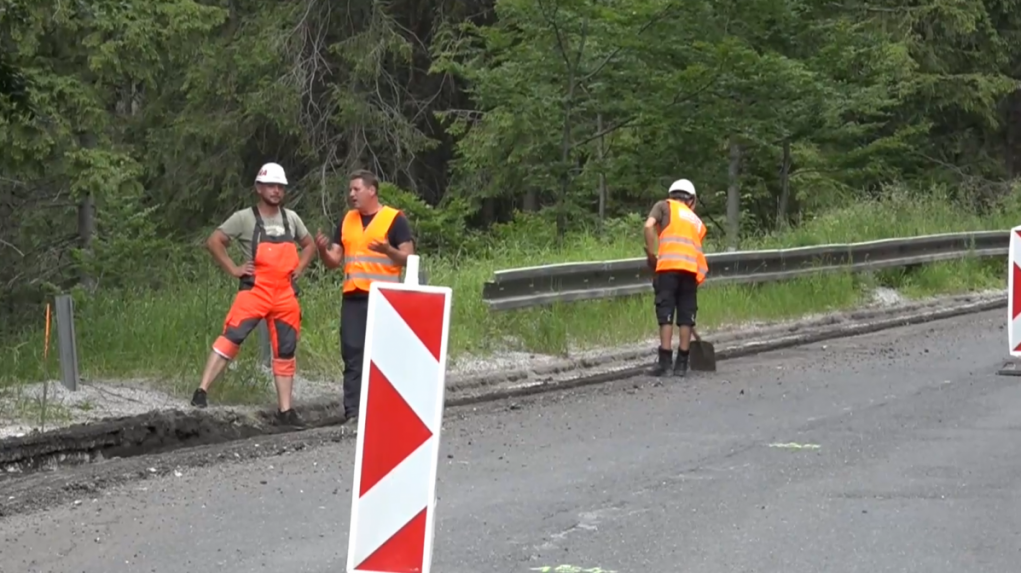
(411, 271)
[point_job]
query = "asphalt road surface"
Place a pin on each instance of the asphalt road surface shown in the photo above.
(910, 460)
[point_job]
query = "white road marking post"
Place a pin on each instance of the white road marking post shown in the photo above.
(393, 500)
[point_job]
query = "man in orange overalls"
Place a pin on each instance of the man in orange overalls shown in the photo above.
(267, 287)
(373, 241)
(680, 267)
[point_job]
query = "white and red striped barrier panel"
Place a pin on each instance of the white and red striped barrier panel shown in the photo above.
(396, 458)
(1014, 293)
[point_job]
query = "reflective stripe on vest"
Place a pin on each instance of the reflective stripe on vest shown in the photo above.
(680, 243)
(362, 266)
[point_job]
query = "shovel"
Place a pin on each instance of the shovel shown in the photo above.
(701, 354)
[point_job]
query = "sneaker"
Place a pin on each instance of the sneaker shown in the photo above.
(290, 418)
(198, 399)
(681, 365)
(351, 421)
(663, 364)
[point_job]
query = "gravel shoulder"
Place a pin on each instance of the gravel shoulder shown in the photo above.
(22, 414)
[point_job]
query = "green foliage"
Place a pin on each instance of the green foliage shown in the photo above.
(436, 230)
(502, 127)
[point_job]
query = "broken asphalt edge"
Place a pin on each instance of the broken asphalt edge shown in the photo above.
(165, 431)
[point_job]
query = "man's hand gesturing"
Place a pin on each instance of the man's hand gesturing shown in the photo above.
(322, 241)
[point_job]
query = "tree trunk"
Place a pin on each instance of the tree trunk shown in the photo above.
(356, 146)
(1012, 149)
(785, 187)
(86, 232)
(87, 221)
(565, 161)
(488, 211)
(734, 196)
(567, 136)
(602, 173)
(531, 203)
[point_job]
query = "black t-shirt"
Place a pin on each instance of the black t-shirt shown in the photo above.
(398, 234)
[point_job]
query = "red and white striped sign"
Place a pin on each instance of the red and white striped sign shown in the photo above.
(1014, 293)
(403, 384)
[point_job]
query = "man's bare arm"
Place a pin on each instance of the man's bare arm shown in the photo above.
(332, 255)
(651, 235)
(308, 252)
(400, 255)
(217, 245)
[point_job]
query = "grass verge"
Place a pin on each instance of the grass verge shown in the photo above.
(166, 334)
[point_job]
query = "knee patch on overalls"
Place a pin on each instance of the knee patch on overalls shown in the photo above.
(284, 339)
(235, 332)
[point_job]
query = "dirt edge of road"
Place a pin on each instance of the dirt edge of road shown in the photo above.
(35, 474)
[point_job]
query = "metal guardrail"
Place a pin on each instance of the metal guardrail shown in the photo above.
(571, 282)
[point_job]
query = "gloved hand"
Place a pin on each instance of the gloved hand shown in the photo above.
(650, 259)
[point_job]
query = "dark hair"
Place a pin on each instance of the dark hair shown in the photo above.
(683, 197)
(368, 178)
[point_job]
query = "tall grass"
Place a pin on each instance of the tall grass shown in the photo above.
(166, 334)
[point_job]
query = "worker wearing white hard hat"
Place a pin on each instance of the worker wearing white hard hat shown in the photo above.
(272, 174)
(684, 190)
(673, 248)
(267, 234)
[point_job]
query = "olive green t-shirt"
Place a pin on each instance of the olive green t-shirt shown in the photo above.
(241, 226)
(661, 213)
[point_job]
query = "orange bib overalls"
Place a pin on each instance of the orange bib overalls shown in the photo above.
(269, 294)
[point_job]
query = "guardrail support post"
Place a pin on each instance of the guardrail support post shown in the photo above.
(67, 345)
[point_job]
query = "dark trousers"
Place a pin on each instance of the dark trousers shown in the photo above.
(354, 313)
(676, 297)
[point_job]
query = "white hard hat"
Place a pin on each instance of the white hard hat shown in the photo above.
(271, 173)
(683, 186)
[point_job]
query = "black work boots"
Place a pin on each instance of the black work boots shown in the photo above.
(663, 365)
(681, 364)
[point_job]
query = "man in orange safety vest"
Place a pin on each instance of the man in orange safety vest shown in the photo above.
(680, 268)
(372, 242)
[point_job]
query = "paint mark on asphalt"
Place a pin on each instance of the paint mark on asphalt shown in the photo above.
(570, 569)
(794, 446)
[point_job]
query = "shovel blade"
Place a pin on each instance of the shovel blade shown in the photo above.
(702, 356)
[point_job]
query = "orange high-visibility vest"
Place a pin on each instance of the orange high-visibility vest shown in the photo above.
(680, 243)
(361, 265)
